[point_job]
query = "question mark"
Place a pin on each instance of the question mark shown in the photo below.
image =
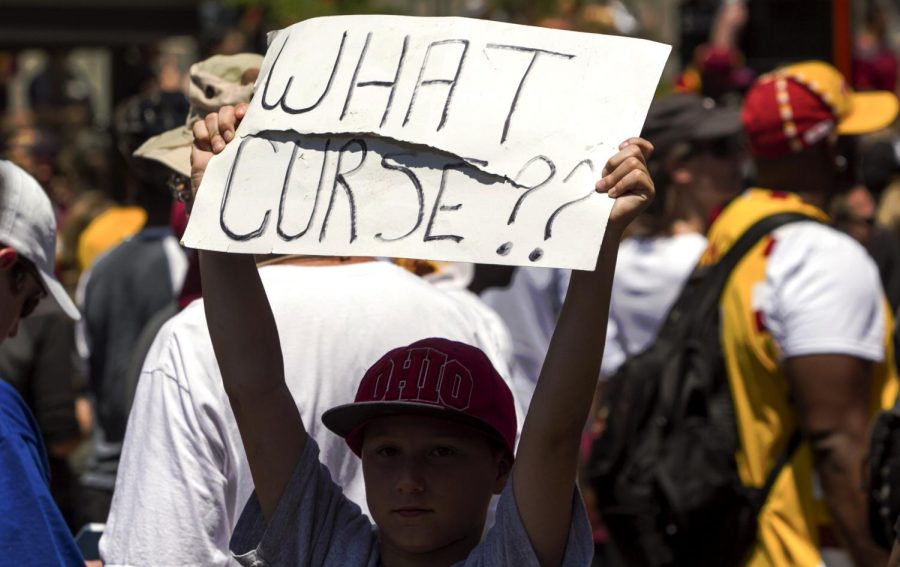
(537, 253)
(504, 248)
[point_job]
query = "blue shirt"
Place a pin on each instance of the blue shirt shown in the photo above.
(32, 530)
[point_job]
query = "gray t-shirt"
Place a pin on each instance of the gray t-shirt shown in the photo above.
(315, 525)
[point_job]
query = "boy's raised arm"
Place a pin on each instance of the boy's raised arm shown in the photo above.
(245, 340)
(547, 457)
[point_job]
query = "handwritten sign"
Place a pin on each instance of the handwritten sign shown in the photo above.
(440, 138)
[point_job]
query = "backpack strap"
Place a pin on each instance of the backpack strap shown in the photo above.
(759, 499)
(699, 298)
(710, 292)
(718, 274)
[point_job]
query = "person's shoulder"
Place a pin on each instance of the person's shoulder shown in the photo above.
(808, 242)
(822, 265)
(376, 270)
(181, 341)
(15, 417)
(507, 542)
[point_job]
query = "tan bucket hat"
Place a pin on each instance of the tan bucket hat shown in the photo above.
(215, 82)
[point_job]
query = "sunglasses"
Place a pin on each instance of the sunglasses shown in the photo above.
(720, 148)
(180, 186)
(34, 300)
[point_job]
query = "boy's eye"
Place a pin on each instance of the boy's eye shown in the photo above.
(387, 452)
(443, 452)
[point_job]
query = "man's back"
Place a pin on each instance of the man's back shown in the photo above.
(805, 291)
(184, 478)
(124, 289)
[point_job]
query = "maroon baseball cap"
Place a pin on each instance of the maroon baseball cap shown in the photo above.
(432, 377)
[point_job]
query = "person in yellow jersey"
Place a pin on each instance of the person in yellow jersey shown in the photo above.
(805, 326)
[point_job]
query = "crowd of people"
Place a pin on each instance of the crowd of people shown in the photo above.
(206, 408)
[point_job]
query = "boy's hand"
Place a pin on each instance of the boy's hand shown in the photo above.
(626, 179)
(210, 136)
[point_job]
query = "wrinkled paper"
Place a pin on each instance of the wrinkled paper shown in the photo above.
(436, 138)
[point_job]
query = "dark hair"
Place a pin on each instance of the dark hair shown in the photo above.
(653, 219)
(19, 271)
(141, 117)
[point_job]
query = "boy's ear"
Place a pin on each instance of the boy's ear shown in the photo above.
(8, 258)
(504, 466)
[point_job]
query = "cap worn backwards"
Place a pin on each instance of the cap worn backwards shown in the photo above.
(795, 107)
(687, 117)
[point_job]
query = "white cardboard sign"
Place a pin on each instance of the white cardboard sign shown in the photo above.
(439, 138)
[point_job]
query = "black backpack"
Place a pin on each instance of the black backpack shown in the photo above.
(883, 483)
(664, 469)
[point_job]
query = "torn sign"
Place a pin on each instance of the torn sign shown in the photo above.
(498, 93)
(338, 195)
(339, 174)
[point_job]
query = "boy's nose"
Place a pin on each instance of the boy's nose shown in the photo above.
(410, 480)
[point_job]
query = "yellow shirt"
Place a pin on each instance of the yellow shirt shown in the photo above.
(794, 524)
(109, 228)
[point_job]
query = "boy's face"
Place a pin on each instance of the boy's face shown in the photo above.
(429, 482)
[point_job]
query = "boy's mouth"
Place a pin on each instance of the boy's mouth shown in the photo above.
(411, 512)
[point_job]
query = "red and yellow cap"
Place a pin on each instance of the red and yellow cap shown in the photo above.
(795, 107)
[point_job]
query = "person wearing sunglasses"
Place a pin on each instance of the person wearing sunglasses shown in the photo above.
(32, 529)
(697, 167)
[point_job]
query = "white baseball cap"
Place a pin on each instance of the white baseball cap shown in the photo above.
(28, 225)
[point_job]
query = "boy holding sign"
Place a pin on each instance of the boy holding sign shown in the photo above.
(433, 423)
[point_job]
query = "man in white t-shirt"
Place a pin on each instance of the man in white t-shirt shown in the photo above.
(184, 477)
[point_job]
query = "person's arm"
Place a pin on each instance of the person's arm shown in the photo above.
(728, 24)
(894, 561)
(547, 460)
(245, 340)
(832, 396)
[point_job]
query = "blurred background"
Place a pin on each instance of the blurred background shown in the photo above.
(65, 65)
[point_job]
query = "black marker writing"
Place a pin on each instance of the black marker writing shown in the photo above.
(282, 101)
(386, 84)
(281, 233)
(341, 179)
(548, 229)
(440, 207)
(230, 233)
(515, 101)
(420, 194)
(452, 82)
(551, 172)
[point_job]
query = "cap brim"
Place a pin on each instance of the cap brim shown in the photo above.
(57, 299)
(342, 420)
(172, 149)
(872, 111)
(719, 123)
